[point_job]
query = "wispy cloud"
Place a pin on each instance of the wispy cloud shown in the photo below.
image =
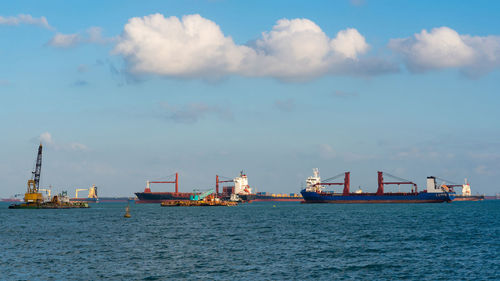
(80, 83)
(287, 105)
(47, 140)
(193, 112)
(25, 19)
(294, 50)
(357, 3)
(92, 35)
(344, 94)
(4, 82)
(326, 151)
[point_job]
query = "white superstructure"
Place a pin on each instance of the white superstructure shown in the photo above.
(312, 183)
(241, 186)
(466, 189)
(433, 187)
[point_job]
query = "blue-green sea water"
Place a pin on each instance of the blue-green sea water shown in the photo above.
(256, 241)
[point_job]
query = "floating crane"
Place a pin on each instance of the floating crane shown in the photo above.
(92, 192)
(33, 194)
(33, 198)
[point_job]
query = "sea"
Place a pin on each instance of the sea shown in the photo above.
(253, 241)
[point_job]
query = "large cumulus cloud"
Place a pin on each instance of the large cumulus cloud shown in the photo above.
(193, 46)
(443, 47)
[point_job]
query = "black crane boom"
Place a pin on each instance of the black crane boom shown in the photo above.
(38, 169)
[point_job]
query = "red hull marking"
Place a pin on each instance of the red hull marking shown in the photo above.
(374, 201)
(270, 200)
(157, 201)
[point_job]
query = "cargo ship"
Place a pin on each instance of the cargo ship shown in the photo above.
(315, 193)
(466, 193)
(492, 197)
(157, 197)
(241, 191)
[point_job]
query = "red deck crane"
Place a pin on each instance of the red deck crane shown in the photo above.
(218, 181)
(381, 182)
(346, 183)
(176, 181)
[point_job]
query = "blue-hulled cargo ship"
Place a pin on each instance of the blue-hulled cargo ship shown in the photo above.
(315, 193)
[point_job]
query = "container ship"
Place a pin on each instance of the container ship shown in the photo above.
(241, 191)
(315, 193)
(157, 197)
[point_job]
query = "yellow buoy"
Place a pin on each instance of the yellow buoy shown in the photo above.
(127, 212)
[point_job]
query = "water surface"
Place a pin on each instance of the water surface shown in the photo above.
(257, 241)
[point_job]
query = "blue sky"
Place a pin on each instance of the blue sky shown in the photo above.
(125, 91)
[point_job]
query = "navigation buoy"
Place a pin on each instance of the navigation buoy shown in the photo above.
(127, 212)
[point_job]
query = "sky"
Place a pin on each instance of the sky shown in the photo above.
(120, 92)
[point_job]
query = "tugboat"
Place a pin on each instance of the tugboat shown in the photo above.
(33, 198)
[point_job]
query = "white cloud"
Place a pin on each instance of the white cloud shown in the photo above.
(326, 151)
(349, 43)
(196, 47)
(25, 19)
(92, 35)
(443, 47)
(64, 40)
(47, 140)
(193, 112)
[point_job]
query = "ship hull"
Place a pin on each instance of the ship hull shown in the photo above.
(158, 197)
(371, 198)
(268, 198)
(469, 198)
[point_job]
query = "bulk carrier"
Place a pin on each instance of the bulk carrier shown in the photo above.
(315, 193)
(157, 197)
